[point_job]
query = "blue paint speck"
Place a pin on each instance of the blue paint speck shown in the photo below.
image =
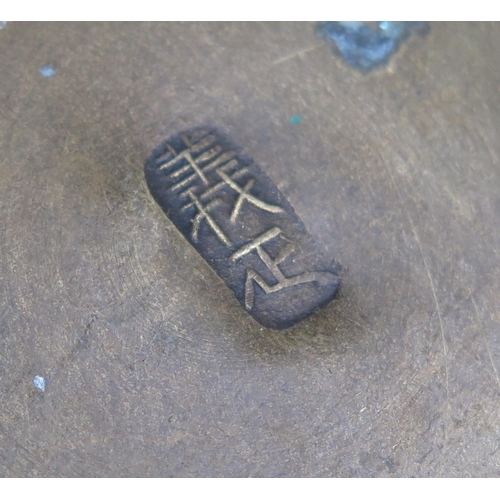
(47, 71)
(39, 383)
(365, 45)
(295, 119)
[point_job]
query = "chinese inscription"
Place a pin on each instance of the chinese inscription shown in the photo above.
(242, 225)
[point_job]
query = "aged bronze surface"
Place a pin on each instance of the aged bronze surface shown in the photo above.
(196, 178)
(146, 365)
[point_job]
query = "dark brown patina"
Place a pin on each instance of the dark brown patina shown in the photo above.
(242, 225)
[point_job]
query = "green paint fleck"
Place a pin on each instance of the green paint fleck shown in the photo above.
(295, 119)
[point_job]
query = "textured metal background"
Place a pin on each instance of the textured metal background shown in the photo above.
(152, 366)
